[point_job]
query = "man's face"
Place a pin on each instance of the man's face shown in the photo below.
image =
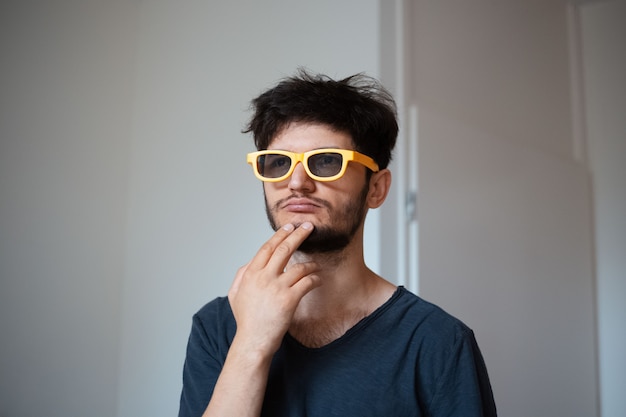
(337, 208)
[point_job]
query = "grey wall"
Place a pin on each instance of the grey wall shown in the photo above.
(126, 203)
(195, 211)
(604, 28)
(504, 204)
(66, 84)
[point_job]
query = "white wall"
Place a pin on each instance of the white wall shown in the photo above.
(196, 211)
(504, 207)
(116, 223)
(604, 30)
(65, 94)
(125, 200)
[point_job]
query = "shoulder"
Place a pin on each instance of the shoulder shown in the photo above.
(434, 334)
(448, 361)
(217, 309)
(211, 334)
(214, 323)
(416, 312)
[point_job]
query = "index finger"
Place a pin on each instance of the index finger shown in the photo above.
(279, 248)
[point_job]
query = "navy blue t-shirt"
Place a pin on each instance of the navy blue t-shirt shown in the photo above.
(407, 358)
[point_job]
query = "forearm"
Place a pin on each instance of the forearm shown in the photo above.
(263, 299)
(240, 388)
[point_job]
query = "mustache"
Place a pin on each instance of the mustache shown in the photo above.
(316, 200)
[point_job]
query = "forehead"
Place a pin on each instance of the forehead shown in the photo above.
(302, 137)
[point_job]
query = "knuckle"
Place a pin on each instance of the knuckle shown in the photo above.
(267, 247)
(299, 269)
(283, 249)
(307, 267)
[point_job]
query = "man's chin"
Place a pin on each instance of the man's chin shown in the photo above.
(295, 220)
(325, 240)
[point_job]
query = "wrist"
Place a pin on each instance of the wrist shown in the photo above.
(252, 352)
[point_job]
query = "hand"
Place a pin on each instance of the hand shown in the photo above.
(265, 295)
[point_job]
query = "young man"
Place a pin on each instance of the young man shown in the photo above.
(307, 328)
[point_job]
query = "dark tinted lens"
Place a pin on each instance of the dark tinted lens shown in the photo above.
(326, 164)
(273, 165)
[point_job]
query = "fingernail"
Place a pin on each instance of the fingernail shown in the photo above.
(288, 227)
(307, 226)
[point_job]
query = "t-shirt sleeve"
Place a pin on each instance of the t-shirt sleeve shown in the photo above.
(206, 352)
(463, 388)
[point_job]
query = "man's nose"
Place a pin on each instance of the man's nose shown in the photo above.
(300, 180)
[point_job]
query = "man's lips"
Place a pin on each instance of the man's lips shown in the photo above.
(300, 205)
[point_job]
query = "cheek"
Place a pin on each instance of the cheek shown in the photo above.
(269, 193)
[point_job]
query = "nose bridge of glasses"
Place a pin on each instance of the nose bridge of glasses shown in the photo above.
(299, 158)
(302, 158)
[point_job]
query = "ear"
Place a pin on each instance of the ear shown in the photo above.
(380, 184)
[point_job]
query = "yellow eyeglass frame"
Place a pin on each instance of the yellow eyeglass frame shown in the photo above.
(347, 156)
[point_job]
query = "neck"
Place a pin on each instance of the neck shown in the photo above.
(348, 285)
(350, 291)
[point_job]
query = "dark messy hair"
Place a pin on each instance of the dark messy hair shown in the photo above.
(358, 105)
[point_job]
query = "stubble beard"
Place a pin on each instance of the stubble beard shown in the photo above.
(329, 238)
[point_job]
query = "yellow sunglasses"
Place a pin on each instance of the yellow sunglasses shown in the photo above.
(320, 164)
